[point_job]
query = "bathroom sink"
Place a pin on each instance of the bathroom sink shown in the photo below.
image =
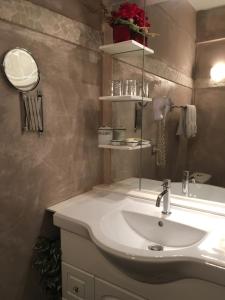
(144, 231)
(134, 235)
(164, 232)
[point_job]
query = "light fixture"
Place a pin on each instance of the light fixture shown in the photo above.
(217, 72)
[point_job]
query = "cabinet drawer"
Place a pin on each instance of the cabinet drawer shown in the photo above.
(77, 284)
(107, 291)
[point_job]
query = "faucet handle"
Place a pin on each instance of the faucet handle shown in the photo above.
(166, 183)
(186, 174)
(192, 178)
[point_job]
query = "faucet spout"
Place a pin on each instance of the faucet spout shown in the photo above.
(165, 196)
(187, 178)
(159, 198)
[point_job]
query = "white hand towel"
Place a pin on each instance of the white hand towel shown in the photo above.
(188, 122)
(191, 121)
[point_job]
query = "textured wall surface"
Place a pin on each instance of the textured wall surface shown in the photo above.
(87, 12)
(210, 24)
(42, 20)
(39, 171)
(175, 21)
(206, 153)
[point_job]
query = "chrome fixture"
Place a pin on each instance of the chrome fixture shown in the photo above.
(32, 112)
(187, 178)
(165, 196)
(23, 74)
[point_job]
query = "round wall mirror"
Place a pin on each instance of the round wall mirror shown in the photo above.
(21, 69)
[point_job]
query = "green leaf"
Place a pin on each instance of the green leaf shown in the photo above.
(47, 262)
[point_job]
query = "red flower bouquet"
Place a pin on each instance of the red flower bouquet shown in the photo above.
(129, 22)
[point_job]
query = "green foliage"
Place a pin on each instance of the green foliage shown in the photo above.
(47, 262)
(130, 24)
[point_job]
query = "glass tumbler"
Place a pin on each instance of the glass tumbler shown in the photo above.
(116, 88)
(129, 87)
(146, 89)
(139, 88)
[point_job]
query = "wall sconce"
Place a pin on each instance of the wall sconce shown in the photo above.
(217, 72)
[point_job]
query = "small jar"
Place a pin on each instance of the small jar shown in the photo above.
(119, 134)
(105, 135)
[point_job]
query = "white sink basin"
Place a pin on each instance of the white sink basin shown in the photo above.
(164, 232)
(142, 231)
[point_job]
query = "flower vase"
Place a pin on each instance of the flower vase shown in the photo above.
(140, 38)
(121, 33)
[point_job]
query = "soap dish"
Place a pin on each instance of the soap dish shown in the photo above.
(144, 142)
(132, 142)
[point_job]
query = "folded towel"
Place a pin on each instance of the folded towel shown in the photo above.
(188, 122)
(191, 121)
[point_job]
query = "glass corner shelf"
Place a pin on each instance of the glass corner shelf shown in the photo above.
(126, 47)
(125, 98)
(128, 148)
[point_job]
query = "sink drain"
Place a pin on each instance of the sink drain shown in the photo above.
(155, 248)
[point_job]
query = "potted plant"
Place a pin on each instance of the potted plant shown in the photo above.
(129, 23)
(47, 262)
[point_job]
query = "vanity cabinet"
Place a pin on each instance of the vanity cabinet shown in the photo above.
(90, 275)
(77, 284)
(80, 285)
(107, 291)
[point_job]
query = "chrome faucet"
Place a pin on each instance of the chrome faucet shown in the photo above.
(187, 178)
(165, 196)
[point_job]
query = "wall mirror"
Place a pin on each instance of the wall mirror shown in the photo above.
(190, 43)
(22, 72)
(21, 69)
(194, 163)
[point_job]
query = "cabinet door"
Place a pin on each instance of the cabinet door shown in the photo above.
(77, 284)
(107, 291)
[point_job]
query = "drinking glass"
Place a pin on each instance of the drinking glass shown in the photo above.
(116, 88)
(129, 87)
(146, 88)
(139, 88)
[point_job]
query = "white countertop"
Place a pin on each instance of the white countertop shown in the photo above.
(90, 208)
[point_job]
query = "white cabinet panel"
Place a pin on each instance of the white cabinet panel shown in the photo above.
(77, 284)
(107, 291)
